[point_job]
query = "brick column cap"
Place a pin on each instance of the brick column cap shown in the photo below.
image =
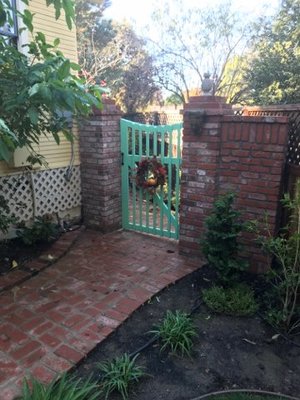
(212, 105)
(109, 108)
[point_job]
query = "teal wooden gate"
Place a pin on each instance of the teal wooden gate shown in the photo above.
(156, 211)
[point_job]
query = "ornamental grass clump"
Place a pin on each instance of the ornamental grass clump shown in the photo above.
(176, 332)
(238, 300)
(117, 375)
(65, 388)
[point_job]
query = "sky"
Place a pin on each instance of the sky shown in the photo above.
(139, 11)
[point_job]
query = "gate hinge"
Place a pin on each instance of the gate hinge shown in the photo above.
(122, 158)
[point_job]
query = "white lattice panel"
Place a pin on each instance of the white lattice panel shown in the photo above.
(50, 189)
(54, 192)
(16, 189)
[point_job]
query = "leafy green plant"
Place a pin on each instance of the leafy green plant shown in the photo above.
(43, 230)
(176, 332)
(220, 242)
(238, 300)
(39, 92)
(119, 374)
(65, 388)
(284, 275)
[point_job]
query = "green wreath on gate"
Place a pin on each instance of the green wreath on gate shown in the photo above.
(150, 174)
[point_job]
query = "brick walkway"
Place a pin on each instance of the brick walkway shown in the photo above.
(51, 321)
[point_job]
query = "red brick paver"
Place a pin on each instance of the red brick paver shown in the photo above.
(51, 321)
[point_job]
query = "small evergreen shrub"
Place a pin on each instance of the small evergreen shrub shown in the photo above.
(220, 242)
(119, 374)
(238, 300)
(176, 332)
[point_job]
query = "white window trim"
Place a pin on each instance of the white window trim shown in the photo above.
(23, 37)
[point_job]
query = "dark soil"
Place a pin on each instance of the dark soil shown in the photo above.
(230, 352)
(15, 250)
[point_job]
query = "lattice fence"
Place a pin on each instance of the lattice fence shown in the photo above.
(293, 112)
(41, 192)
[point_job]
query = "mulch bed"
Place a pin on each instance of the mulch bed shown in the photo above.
(230, 352)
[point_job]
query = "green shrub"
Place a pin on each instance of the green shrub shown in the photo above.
(238, 300)
(176, 332)
(64, 389)
(41, 231)
(284, 274)
(117, 375)
(220, 242)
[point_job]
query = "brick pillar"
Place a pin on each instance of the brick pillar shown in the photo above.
(223, 152)
(100, 156)
(200, 160)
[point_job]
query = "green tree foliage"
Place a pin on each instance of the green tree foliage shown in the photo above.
(112, 53)
(233, 85)
(273, 76)
(39, 91)
(174, 99)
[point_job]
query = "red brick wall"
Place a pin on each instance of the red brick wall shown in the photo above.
(101, 168)
(223, 153)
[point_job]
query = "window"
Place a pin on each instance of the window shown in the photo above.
(10, 28)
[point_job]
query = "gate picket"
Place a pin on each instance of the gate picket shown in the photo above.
(156, 213)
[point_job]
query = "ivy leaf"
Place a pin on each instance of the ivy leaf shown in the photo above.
(68, 7)
(2, 16)
(5, 151)
(33, 115)
(69, 100)
(45, 93)
(27, 20)
(56, 137)
(57, 7)
(69, 136)
(56, 42)
(75, 67)
(34, 89)
(64, 70)
(41, 37)
(4, 130)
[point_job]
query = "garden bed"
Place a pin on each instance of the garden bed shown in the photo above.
(229, 352)
(14, 254)
(19, 261)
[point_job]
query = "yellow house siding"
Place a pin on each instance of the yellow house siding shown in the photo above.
(59, 155)
(44, 20)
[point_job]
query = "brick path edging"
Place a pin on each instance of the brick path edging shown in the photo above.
(59, 316)
(33, 267)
